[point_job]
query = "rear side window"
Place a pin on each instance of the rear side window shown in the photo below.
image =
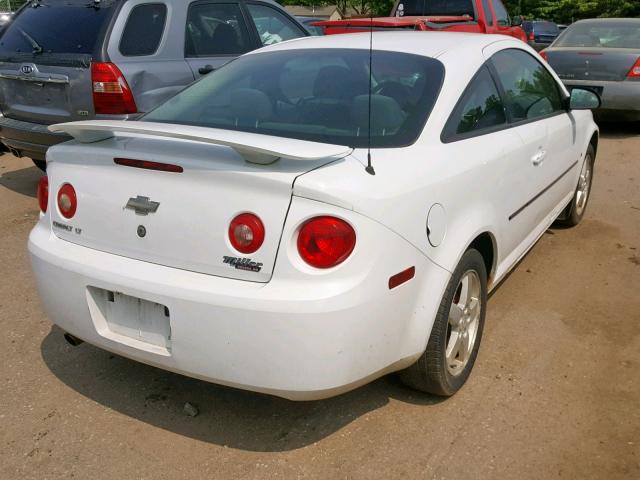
(530, 90)
(51, 26)
(143, 31)
(216, 29)
(480, 110)
(272, 25)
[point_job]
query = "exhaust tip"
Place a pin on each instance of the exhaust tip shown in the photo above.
(71, 340)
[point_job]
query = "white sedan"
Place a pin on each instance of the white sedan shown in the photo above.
(238, 234)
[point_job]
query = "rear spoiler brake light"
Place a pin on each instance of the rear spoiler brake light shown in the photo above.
(253, 147)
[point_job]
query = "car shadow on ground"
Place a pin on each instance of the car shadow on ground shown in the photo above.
(24, 181)
(227, 416)
(619, 130)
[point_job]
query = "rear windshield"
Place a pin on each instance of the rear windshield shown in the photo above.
(56, 26)
(546, 28)
(607, 35)
(319, 95)
(434, 8)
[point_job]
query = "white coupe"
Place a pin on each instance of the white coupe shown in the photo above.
(238, 234)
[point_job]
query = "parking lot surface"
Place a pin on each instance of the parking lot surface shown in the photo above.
(555, 392)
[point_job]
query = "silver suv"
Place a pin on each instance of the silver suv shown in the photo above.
(65, 60)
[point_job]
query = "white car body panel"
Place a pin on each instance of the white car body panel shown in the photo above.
(251, 335)
(292, 330)
(185, 232)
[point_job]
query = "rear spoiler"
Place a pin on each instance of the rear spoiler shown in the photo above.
(253, 147)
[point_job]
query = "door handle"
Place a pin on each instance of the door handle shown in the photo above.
(206, 69)
(539, 157)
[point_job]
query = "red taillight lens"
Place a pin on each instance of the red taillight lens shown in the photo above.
(246, 233)
(43, 193)
(324, 242)
(544, 55)
(67, 201)
(635, 70)
(531, 36)
(111, 93)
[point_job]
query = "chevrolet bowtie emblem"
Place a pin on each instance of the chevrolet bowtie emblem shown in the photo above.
(142, 205)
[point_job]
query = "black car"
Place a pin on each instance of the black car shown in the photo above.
(540, 33)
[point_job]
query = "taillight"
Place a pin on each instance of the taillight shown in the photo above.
(246, 233)
(531, 36)
(67, 201)
(43, 193)
(111, 93)
(544, 55)
(635, 70)
(324, 242)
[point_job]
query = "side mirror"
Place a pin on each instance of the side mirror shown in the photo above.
(582, 99)
(516, 21)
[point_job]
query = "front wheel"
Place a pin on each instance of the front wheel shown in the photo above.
(574, 212)
(457, 330)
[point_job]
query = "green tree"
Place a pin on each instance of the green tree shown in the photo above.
(566, 11)
(376, 8)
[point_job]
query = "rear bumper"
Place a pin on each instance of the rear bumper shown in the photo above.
(28, 139)
(298, 340)
(618, 98)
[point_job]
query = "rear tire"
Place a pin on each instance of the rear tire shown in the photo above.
(574, 212)
(457, 330)
(41, 164)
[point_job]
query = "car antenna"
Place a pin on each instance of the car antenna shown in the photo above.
(369, 169)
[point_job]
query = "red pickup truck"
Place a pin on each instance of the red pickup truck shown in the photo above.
(477, 16)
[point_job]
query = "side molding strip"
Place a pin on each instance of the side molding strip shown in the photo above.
(519, 211)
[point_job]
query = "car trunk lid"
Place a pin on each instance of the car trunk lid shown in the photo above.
(579, 63)
(188, 226)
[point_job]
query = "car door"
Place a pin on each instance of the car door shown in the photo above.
(146, 45)
(479, 124)
(536, 112)
(216, 33)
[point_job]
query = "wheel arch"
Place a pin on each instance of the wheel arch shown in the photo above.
(593, 142)
(486, 244)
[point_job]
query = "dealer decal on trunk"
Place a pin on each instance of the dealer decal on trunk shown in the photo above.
(242, 263)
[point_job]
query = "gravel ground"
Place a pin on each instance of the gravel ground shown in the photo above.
(555, 391)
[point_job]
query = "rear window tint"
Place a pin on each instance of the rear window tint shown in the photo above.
(609, 34)
(546, 27)
(143, 31)
(49, 26)
(317, 95)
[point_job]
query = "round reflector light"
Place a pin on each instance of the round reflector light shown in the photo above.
(43, 193)
(246, 233)
(67, 201)
(324, 242)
